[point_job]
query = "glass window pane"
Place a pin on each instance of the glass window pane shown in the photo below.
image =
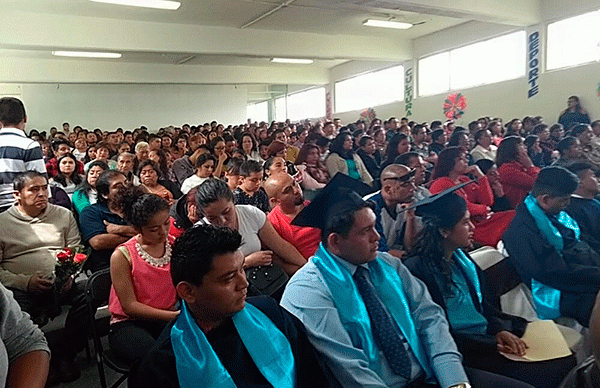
(370, 90)
(258, 112)
(487, 62)
(307, 104)
(280, 110)
(434, 74)
(574, 41)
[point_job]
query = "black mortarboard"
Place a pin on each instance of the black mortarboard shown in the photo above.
(445, 208)
(341, 195)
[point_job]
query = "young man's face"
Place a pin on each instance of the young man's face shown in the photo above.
(62, 150)
(252, 182)
(223, 289)
(360, 246)
(589, 182)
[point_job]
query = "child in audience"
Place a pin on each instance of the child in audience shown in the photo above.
(249, 191)
(232, 174)
(142, 298)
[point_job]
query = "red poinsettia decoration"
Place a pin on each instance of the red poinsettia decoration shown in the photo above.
(368, 115)
(454, 106)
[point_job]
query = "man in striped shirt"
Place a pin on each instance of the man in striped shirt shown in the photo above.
(18, 153)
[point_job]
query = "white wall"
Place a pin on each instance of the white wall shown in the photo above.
(505, 99)
(109, 106)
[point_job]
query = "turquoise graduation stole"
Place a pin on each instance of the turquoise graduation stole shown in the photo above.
(198, 364)
(546, 298)
(353, 312)
(470, 270)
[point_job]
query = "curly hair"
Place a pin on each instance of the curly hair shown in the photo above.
(139, 206)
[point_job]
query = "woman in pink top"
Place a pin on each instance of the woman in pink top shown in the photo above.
(142, 298)
(516, 170)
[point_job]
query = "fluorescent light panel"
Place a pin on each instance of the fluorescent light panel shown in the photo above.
(159, 4)
(387, 24)
(293, 60)
(85, 54)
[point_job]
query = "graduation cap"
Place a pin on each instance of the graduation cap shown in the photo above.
(445, 208)
(341, 195)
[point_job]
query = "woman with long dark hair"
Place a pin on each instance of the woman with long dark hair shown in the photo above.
(310, 157)
(87, 195)
(67, 178)
(517, 171)
(452, 169)
(399, 144)
(455, 283)
(343, 159)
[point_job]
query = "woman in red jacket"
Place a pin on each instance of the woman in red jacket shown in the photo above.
(517, 172)
(452, 169)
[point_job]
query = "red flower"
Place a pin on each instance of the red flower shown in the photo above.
(68, 251)
(79, 258)
(63, 256)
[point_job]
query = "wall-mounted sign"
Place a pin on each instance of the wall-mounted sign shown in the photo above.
(408, 89)
(533, 63)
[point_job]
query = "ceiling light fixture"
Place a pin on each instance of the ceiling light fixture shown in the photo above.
(86, 54)
(159, 4)
(293, 60)
(387, 24)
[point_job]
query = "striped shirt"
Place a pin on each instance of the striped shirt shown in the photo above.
(18, 153)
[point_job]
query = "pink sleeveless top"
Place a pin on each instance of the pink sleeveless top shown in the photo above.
(152, 285)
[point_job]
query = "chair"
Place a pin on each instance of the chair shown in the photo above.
(97, 293)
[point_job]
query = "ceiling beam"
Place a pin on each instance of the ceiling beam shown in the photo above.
(28, 70)
(45, 32)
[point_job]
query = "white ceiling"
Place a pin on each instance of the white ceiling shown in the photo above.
(233, 39)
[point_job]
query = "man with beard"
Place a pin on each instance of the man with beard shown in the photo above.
(102, 224)
(285, 196)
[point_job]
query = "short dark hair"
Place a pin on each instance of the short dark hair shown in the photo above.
(555, 181)
(103, 183)
(250, 167)
(58, 142)
(192, 257)
(203, 158)
(342, 223)
(578, 168)
(405, 158)
(233, 166)
(579, 129)
(363, 140)
(21, 179)
(565, 144)
(148, 162)
(139, 206)
(211, 190)
(12, 111)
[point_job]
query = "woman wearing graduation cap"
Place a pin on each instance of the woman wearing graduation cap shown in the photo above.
(455, 283)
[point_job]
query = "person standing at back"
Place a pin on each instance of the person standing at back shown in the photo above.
(18, 153)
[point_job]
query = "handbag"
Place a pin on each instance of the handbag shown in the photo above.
(267, 279)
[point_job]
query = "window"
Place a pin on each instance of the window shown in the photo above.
(308, 104)
(481, 63)
(258, 112)
(434, 74)
(280, 109)
(369, 90)
(574, 41)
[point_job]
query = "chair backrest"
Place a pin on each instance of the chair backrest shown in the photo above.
(504, 287)
(98, 287)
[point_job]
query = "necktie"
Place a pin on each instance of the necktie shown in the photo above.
(385, 329)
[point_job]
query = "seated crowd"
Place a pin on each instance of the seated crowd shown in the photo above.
(350, 245)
